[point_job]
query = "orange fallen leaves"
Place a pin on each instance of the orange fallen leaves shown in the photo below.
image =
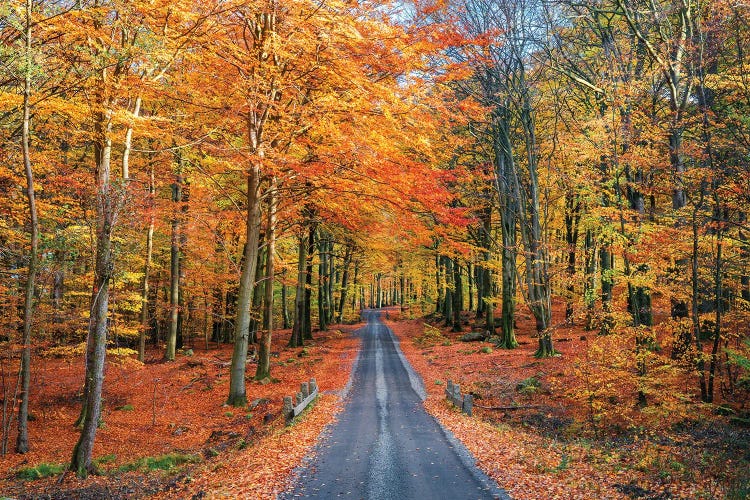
(526, 464)
(165, 407)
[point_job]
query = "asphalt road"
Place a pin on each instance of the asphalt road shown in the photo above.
(385, 445)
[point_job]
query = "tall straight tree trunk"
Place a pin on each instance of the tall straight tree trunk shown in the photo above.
(258, 292)
(509, 275)
(458, 296)
(264, 352)
(174, 268)
(22, 439)
(439, 283)
(307, 323)
(679, 349)
(449, 291)
(606, 264)
(379, 299)
(589, 282)
(237, 395)
(284, 301)
(348, 252)
(329, 282)
(718, 297)
(470, 284)
(322, 281)
(572, 217)
(297, 338)
(147, 269)
(744, 255)
(402, 284)
(96, 341)
(356, 286)
(509, 212)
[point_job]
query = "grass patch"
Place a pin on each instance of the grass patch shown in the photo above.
(162, 462)
(106, 459)
(125, 408)
(40, 471)
(530, 385)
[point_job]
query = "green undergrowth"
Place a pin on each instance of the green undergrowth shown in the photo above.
(166, 462)
(40, 471)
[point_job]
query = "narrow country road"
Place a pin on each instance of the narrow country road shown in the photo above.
(385, 445)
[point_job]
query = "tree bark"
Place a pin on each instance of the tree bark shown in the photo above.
(264, 352)
(348, 252)
(284, 301)
(237, 395)
(323, 305)
(307, 324)
(297, 338)
(174, 268)
(22, 439)
(96, 343)
(458, 297)
(147, 270)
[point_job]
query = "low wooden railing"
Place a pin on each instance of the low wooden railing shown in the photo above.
(453, 394)
(293, 406)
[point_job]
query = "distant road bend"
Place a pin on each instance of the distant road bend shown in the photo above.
(385, 445)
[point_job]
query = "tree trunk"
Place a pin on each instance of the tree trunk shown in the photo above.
(258, 292)
(264, 352)
(402, 284)
(458, 297)
(174, 269)
(323, 281)
(606, 263)
(96, 343)
(344, 282)
(284, 301)
(22, 439)
(449, 291)
(297, 338)
(680, 349)
(509, 277)
(307, 323)
(470, 284)
(147, 270)
(744, 255)
(572, 217)
(439, 284)
(718, 298)
(330, 304)
(237, 394)
(589, 282)
(379, 299)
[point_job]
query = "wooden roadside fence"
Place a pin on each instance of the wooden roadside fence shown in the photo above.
(293, 406)
(453, 394)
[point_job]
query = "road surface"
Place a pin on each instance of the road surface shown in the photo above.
(385, 445)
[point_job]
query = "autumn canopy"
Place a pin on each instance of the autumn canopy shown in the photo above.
(198, 175)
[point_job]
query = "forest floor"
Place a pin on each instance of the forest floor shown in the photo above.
(167, 434)
(166, 430)
(535, 442)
